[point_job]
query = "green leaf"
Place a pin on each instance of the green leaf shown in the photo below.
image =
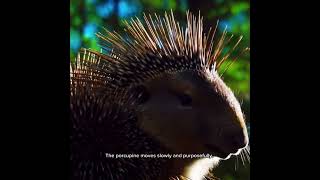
(238, 7)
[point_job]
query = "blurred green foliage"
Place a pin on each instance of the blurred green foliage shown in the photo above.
(90, 16)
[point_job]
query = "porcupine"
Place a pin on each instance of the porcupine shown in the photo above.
(157, 90)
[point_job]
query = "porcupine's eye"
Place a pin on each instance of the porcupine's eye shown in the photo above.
(184, 99)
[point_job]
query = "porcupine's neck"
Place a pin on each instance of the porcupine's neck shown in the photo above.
(194, 169)
(199, 168)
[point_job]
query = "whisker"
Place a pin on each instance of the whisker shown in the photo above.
(247, 152)
(246, 157)
(241, 155)
(237, 163)
(248, 149)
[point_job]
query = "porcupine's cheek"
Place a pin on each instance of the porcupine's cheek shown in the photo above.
(207, 129)
(173, 130)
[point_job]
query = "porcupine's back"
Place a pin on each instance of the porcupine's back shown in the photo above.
(102, 122)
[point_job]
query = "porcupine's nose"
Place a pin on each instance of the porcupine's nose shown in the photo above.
(238, 140)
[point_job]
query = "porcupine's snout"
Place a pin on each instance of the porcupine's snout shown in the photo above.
(223, 127)
(226, 140)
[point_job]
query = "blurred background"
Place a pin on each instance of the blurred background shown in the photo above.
(89, 16)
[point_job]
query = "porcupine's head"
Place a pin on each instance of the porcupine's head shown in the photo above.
(184, 103)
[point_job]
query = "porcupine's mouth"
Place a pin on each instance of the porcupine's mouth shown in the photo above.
(218, 151)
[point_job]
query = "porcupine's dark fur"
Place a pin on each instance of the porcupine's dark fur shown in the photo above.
(105, 123)
(102, 103)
